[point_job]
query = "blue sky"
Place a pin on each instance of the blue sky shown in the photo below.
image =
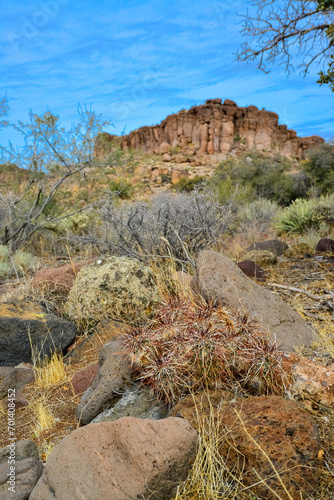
(137, 62)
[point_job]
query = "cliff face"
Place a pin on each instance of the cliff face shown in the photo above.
(215, 127)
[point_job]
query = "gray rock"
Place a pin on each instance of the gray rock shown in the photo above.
(135, 402)
(220, 279)
(14, 378)
(27, 473)
(277, 247)
(109, 384)
(28, 331)
(25, 448)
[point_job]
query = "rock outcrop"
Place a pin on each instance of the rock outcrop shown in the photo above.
(216, 127)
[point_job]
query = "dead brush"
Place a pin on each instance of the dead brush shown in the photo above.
(192, 344)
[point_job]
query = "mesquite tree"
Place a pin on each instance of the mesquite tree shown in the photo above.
(50, 155)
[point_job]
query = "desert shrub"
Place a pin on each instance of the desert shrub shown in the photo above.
(320, 167)
(122, 189)
(116, 287)
(174, 150)
(17, 264)
(4, 253)
(261, 175)
(303, 215)
(169, 226)
(187, 185)
(192, 345)
(257, 216)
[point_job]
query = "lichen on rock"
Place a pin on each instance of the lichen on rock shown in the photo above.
(116, 287)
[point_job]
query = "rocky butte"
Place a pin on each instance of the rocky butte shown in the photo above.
(216, 127)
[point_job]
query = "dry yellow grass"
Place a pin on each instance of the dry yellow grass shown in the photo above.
(52, 372)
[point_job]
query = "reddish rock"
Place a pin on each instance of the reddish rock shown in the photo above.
(283, 431)
(20, 400)
(124, 460)
(325, 245)
(84, 379)
(212, 128)
(59, 279)
(314, 380)
(252, 270)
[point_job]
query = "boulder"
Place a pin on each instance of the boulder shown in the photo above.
(83, 379)
(136, 401)
(58, 280)
(166, 157)
(25, 448)
(123, 460)
(252, 270)
(15, 377)
(315, 381)
(29, 333)
(27, 473)
(116, 287)
(325, 245)
(276, 247)
(280, 429)
(164, 148)
(109, 383)
(21, 401)
(220, 279)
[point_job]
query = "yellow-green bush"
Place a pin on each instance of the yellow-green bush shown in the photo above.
(19, 263)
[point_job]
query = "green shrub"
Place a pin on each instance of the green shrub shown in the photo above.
(260, 176)
(188, 185)
(122, 189)
(320, 167)
(20, 262)
(257, 215)
(303, 215)
(4, 253)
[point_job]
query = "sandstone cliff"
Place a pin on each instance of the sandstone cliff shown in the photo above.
(216, 127)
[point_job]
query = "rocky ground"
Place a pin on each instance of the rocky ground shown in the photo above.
(283, 437)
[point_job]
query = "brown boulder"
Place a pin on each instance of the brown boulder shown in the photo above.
(123, 460)
(83, 379)
(280, 429)
(15, 377)
(60, 279)
(164, 148)
(252, 270)
(166, 157)
(315, 381)
(220, 279)
(325, 245)
(109, 383)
